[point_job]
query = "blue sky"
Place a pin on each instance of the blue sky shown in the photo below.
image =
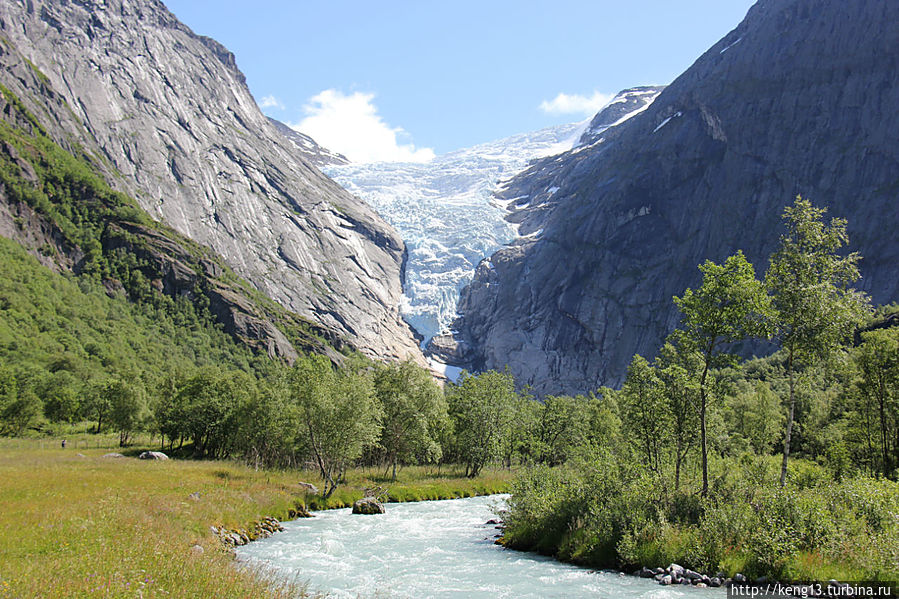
(405, 80)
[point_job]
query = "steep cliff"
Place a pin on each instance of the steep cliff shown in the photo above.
(169, 115)
(802, 97)
(54, 204)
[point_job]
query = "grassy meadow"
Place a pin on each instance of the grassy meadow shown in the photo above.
(110, 527)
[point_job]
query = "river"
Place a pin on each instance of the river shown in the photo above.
(435, 549)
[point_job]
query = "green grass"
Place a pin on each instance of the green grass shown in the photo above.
(103, 527)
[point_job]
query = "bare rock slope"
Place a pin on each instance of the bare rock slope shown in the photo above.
(171, 115)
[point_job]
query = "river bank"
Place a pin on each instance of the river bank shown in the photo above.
(82, 525)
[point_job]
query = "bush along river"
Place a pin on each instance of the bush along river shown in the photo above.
(430, 549)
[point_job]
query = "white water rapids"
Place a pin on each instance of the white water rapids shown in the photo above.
(435, 549)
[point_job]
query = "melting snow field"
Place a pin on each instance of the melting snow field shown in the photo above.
(444, 212)
(432, 549)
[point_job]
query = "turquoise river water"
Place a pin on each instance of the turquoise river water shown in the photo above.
(438, 549)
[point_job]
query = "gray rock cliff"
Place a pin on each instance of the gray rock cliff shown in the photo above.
(170, 114)
(801, 98)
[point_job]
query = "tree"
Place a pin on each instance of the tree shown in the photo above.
(268, 425)
(9, 386)
(95, 405)
(479, 407)
(644, 415)
(60, 396)
(677, 368)
(206, 405)
(522, 436)
(413, 410)
(127, 406)
(877, 360)
(731, 305)
(21, 412)
(815, 309)
(561, 428)
(338, 411)
(754, 415)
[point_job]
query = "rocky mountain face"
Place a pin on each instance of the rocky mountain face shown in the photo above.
(801, 98)
(308, 147)
(169, 115)
(53, 204)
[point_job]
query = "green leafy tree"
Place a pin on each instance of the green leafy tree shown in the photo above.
(561, 428)
(479, 407)
(413, 411)
(877, 360)
(815, 308)
(644, 414)
(338, 411)
(603, 413)
(60, 395)
(754, 415)
(731, 305)
(96, 405)
(676, 369)
(208, 404)
(20, 413)
(127, 407)
(9, 386)
(269, 425)
(522, 437)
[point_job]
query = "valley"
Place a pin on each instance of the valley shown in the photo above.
(667, 328)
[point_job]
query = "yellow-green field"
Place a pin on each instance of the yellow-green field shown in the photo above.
(90, 526)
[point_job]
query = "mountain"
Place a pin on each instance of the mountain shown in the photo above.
(446, 211)
(308, 147)
(56, 204)
(172, 123)
(801, 98)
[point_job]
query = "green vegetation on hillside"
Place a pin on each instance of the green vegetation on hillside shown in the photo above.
(62, 338)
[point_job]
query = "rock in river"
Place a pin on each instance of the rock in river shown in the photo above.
(368, 505)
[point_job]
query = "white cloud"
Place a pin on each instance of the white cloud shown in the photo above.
(576, 103)
(271, 102)
(351, 125)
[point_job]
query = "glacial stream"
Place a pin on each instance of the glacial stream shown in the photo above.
(438, 549)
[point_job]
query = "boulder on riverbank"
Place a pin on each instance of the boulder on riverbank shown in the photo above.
(308, 488)
(368, 505)
(153, 455)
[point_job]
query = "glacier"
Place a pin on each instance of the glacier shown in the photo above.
(446, 212)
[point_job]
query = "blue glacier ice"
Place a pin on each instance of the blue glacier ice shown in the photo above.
(446, 214)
